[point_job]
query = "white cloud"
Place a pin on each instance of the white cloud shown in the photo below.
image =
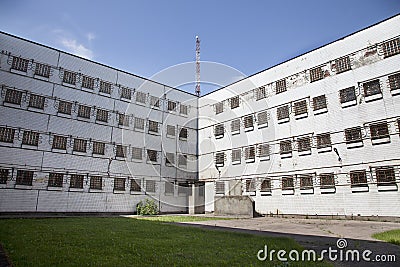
(90, 36)
(77, 49)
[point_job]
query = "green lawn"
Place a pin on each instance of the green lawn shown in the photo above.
(392, 236)
(130, 242)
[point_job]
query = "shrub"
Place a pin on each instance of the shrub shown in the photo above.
(147, 207)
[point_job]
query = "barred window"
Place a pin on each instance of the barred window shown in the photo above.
(4, 175)
(219, 107)
(141, 97)
(30, 138)
(347, 94)
(385, 176)
(261, 93)
(137, 153)
(324, 140)
(262, 118)
(135, 185)
(263, 150)
(36, 101)
(372, 88)
(102, 115)
(87, 82)
(220, 158)
(316, 74)
(13, 97)
(7, 135)
(319, 102)
(154, 101)
(65, 107)
(306, 182)
(59, 142)
(20, 64)
(250, 153)
(170, 130)
(182, 160)
(391, 48)
(183, 134)
(98, 148)
(219, 130)
(326, 180)
(126, 93)
(183, 109)
(84, 111)
(358, 178)
(236, 155)
(300, 107)
(234, 102)
(280, 86)
(139, 123)
(219, 187)
(105, 87)
(96, 182)
(76, 181)
(171, 106)
(119, 184)
(353, 135)
(80, 145)
(69, 77)
(123, 120)
(285, 146)
(379, 130)
(169, 188)
(304, 144)
(184, 188)
(248, 121)
(153, 126)
(120, 151)
(342, 64)
(235, 125)
(151, 155)
(42, 70)
(394, 81)
(287, 183)
(24, 177)
(250, 185)
(150, 186)
(283, 112)
(55, 179)
(266, 185)
(169, 158)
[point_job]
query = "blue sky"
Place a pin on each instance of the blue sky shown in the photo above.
(145, 37)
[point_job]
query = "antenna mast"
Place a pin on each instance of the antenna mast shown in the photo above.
(197, 66)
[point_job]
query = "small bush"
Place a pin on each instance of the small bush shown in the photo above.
(147, 207)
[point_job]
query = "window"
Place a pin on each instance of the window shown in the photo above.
(69, 77)
(120, 151)
(96, 182)
(102, 115)
(55, 179)
(20, 64)
(394, 81)
(372, 88)
(59, 142)
(319, 102)
(304, 144)
(327, 180)
(4, 175)
(250, 153)
(262, 118)
(76, 181)
(98, 148)
(7, 135)
(183, 109)
(137, 153)
(169, 159)
(87, 82)
(234, 102)
(219, 187)
(151, 155)
(30, 138)
(141, 97)
(105, 87)
(265, 185)
(151, 186)
(347, 94)
(153, 126)
(306, 182)
(182, 160)
(263, 150)
(36, 101)
(169, 188)
(24, 177)
(135, 185)
(183, 134)
(235, 126)
(283, 112)
(358, 178)
(324, 140)
(287, 183)
(13, 97)
(316, 74)
(126, 93)
(391, 48)
(119, 184)
(385, 176)
(80, 145)
(170, 130)
(342, 64)
(236, 155)
(379, 130)
(280, 86)
(123, 120)
(139, 123)
(84, 111)
(261, 93)
(300, 107)
(154, 101)
(65, 107)
(219, 130)
(353, 135)
(285, 147)
(171, 106)
(42, 70)
(248, 122)
(250, 185)
(219, 107)
(219, 159)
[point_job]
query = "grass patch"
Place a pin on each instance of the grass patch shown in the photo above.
(180, 218)
(392, 236)
(129, 242)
